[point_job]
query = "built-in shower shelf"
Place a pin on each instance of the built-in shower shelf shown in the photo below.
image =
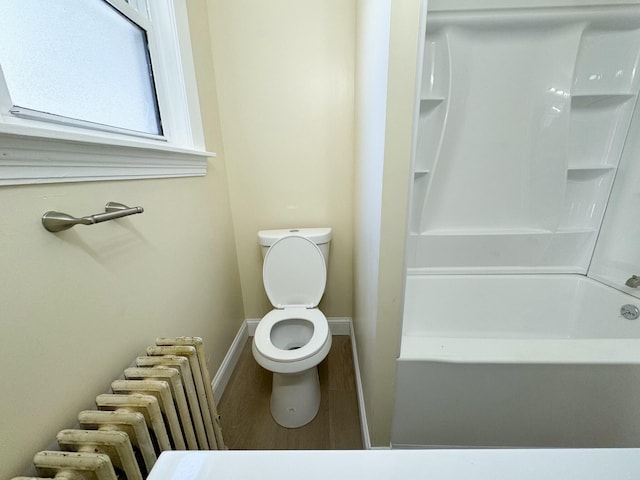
(600, 100)
(428, 105)
(587, 174)
(576, 231)
(431, 101)
(504, 233)
(485, 232)
(590, 168)
(501, 250)
(421, 172)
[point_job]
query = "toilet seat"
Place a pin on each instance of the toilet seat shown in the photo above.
(294, 275)
(262, 336)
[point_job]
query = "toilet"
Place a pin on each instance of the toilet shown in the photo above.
(293, 338)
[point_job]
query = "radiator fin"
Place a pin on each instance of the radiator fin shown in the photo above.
(71, 466)
(147, 405)
(162, 392)
(198, 344)
(114, 444)
(181, 364)
(172, 377)
(132, 424)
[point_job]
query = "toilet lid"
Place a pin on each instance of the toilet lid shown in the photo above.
(294, 273)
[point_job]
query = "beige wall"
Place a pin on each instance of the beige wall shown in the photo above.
(285, 73)
(284, 70)
(285, 83)
(382, 183)
(79, 306)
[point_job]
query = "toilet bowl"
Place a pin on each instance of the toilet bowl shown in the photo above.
(294, 337)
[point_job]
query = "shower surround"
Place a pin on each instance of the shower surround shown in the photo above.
(526, 118)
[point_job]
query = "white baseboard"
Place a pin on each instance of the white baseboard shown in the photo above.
(229, 362)
(364, 425)
(338, 326)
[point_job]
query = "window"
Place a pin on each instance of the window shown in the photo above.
(95, 90)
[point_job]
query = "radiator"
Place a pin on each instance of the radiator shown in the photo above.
(164, 403)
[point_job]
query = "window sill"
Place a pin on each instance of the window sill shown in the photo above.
(31, 156)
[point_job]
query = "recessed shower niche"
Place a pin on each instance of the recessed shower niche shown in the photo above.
(519, 141)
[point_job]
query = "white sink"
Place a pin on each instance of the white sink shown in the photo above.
(512, 464)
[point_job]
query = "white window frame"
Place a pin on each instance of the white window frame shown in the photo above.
(33, 150)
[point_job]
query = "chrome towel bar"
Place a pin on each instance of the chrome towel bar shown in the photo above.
(58, 221)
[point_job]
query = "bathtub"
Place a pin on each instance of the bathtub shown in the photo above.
(516, 361)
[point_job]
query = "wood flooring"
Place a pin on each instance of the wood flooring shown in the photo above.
(247, 423)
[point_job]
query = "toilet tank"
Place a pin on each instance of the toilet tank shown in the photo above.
(320, 236)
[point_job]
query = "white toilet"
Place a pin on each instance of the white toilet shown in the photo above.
(294, 337)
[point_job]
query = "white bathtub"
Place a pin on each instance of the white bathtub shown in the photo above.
(517, 360)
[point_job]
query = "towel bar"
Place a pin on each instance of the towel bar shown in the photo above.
(58, 221)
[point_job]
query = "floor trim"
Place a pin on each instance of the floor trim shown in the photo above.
(229, 362)
(338, 326)
(364, 425)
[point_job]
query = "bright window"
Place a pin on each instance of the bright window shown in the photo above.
(109, 80)
(79, 76)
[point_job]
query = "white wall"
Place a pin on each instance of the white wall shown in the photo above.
(284, 70)
(79, 306)
(372, 60)
(387, 45)
(617, 256)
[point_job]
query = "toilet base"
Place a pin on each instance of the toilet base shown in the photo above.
(295, 397)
